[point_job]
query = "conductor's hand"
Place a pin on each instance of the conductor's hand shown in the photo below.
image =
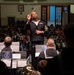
(28, 17)
(38, 32)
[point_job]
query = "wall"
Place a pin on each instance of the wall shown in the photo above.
(12, 11)
(1, 0)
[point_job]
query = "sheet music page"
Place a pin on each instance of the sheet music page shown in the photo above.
(14, 64)
(38, 48)
(7, 62)
(22, 62)
(15, 43)
(14, 46)
(16, 56)
(1, 46)
(37, 54)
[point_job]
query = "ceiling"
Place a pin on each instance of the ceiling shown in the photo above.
(38, 1)
(26, 0)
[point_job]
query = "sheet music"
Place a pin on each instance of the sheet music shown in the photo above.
(1, 46)
(38, 48)
(7, 62)
(22, 62)
(14, 64)
(14, 46)
(15, 43)
(16, 56)
(37, 54)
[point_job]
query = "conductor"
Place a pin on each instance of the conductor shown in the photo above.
(36, 27)
(37, 30)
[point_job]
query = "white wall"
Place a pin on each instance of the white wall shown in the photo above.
(12, 11)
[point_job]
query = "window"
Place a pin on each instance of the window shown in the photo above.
(58, 15)
(52, 13)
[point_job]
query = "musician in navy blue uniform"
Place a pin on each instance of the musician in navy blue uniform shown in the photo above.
(7, 51)
(63, 64)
